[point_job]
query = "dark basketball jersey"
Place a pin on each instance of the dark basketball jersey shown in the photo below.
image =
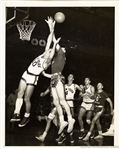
(58, 62)
(100, 100)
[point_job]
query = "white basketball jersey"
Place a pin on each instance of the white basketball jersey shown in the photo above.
(86, 98)
(36, 67)
(69, 91)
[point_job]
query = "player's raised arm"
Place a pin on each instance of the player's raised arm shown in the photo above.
(51, 24)
(49, 40)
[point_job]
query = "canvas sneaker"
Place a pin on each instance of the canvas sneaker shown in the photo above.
(15, 118)
(24, 121)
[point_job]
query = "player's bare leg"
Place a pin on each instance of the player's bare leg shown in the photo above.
(51, 116)
(63, 102)
(56, 101)
(28, 94)
(19, 101)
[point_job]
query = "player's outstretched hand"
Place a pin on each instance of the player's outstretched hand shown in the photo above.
(57, 41)
(50, 22)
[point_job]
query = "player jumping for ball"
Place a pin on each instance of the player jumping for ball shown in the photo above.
(57, 84)
(70, 90)
(30, 77)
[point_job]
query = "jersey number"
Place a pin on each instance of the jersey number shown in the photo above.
(36, 62)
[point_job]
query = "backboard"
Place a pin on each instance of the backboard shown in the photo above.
(15, 15)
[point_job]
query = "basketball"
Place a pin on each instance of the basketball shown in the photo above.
(59, 17)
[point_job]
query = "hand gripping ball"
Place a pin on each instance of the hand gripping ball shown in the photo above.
(59, 17)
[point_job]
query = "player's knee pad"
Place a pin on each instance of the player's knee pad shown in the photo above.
(51, 116)
(88, 121)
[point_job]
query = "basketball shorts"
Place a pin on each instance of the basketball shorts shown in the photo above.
(70, 103)
(57, 77)
(30, 79)
(98, 109)
(87, 106)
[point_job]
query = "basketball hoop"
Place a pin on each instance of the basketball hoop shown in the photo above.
(25, 29)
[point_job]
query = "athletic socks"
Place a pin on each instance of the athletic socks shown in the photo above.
(26, 114)
(111, 127)
(42, 137)
(88, 134)
(18, 105)
(100, 132)
(44, 134)
(88, 121)
(61, 118)
(69, 117)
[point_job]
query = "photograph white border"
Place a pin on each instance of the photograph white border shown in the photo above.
(112, 3)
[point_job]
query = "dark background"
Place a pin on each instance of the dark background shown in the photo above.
(88, 35)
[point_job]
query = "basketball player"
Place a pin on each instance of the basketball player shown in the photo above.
(57, 84)
(51, 117)
(70, 90)
(30, 78)
(86, 105)
(101, 96)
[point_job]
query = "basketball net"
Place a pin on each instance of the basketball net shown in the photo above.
(25, 29)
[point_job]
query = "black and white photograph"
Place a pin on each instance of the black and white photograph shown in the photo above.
(60, 74)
